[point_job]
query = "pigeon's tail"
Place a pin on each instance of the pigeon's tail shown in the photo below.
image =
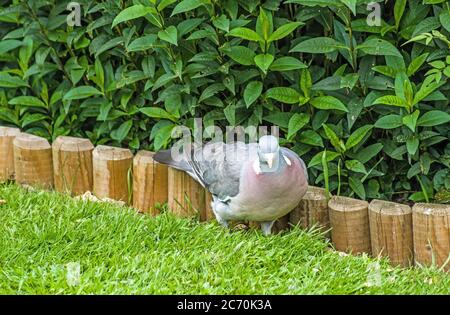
(165, 157)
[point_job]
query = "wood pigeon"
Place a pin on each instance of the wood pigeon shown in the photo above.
(257, 181)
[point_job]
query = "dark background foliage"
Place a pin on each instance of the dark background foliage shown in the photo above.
(365, 106)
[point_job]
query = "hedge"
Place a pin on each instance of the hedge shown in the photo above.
(366, 106)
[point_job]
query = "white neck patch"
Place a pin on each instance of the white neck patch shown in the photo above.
(257, 167)
(287, 160)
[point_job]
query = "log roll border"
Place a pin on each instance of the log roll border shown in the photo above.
(380, 228)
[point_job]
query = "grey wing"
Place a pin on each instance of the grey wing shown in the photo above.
(218, 167)
(291, 153)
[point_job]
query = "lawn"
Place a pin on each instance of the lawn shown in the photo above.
(44, 237)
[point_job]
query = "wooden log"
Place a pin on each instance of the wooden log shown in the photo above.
(349, 221)
(33, 162)
(312, 210)
(72, 165)
(150, 185)
(281, 224)
(111, 173)
(431, 231)
(209, 213)
(7, 136)
(391, 231)
(186, 197)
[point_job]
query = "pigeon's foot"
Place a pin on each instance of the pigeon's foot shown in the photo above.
(240, 227)
(266, 227)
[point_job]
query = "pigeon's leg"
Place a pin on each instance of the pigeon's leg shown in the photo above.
(266, 227)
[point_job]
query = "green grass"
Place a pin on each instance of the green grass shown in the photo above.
(122, 252)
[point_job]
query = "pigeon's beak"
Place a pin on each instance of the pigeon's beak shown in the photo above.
(269, 158)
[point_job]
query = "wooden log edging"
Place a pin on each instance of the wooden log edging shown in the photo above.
(349, 221)
(391, 231)
(33, 161)
(72, 165)
(149, 183)
(382, 228)
(112, 167)
(312, 210)
(7, 136)
(186, 197)
(431, 230)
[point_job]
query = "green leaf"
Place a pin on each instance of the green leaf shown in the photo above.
(280, 119)
(283, 31)
(426, 89)
(284, 95)
(351, 4)
(318, 45)
(242, 55)
(263, 24)
(187, 5)
(29, 119)
(444, 18)
(122, 132)
(133, 12)
(230, 114)
(286, 64)
(81, 92)
(297, 122)
(357, 136)
(27, 101)
(99, 74)
(412, 144)
(316, 160)
(357, 186)
(438, 64)
(9, 81)
(433, 118)
(156, 112)
(222, 23)
(334, 139)
(367, 153)
(311, 137)
(399, 8)
(8, 45)
(263, 61)
(416, 63)
(305, 82)
(187, 26)
(169, 35)
(391, 100)
(142, 43)
(379, 47)
(328, 102)
(211, 90)
(245, 33)
(163, 136)
(355, 166)
(164, 4)
(252, 92)
(410, 121)
(389, 122)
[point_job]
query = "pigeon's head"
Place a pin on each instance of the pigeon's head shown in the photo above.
(268, 152)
